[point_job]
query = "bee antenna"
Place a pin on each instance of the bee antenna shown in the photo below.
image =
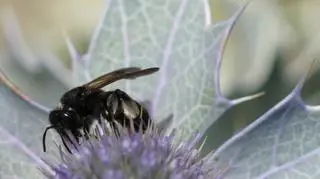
(44, 137)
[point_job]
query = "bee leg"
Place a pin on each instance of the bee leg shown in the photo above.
(64, 136)
(115, 127)
(65, 145)
(99, 110)
(87, 124)
(64, 142)
(108, 115)
(110, 118)
(92, 127)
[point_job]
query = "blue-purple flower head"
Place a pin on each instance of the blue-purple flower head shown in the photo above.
(148, 155)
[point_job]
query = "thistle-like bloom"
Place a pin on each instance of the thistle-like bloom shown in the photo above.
(148, 155)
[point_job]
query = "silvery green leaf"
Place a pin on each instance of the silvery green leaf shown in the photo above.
(283, 143)
(21, 128)
(176, 36)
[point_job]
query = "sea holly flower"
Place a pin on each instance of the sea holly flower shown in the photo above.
(149, 154)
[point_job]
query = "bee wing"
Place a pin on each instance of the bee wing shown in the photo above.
(123, 73)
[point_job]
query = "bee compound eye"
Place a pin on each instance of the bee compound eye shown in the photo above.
(69, 115)
(65, 115)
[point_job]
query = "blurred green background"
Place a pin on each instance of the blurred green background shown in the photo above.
(269, 50)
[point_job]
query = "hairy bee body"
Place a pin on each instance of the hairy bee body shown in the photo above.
(82, 106)
(112, 106)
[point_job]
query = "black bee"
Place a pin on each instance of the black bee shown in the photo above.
(80, 107)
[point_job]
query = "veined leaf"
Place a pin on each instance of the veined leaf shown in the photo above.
(176, 36)
(284, 143)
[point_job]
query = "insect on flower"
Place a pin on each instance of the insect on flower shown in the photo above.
(81, 107)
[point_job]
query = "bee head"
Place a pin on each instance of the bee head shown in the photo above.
(64, 118)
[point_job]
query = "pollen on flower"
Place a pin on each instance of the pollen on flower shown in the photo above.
(134, 155)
